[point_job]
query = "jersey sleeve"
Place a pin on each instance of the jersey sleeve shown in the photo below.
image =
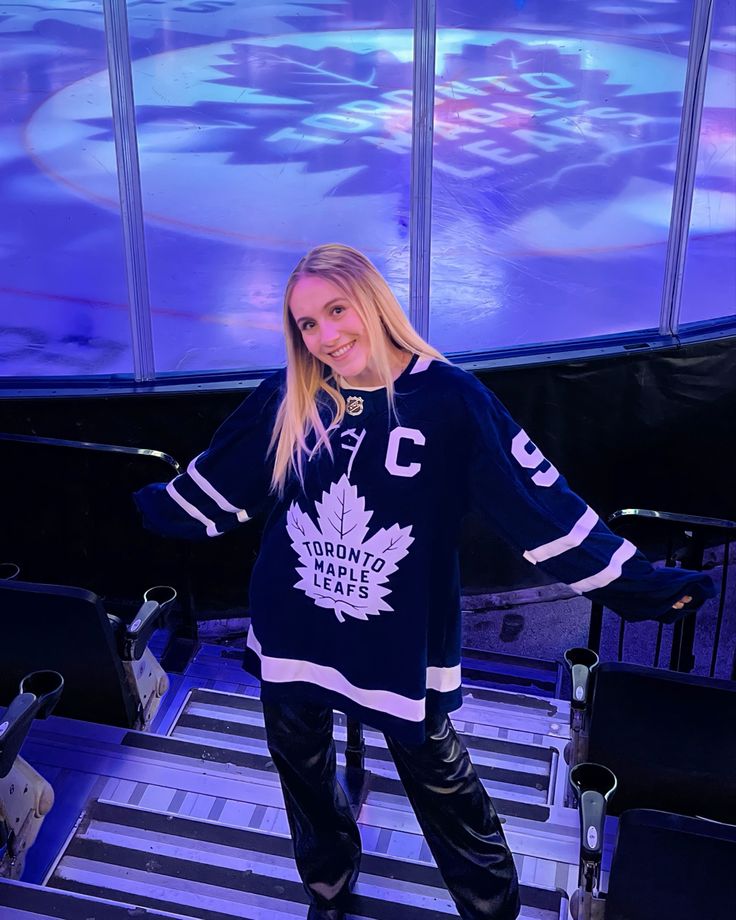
(226, 484)
(529, 503)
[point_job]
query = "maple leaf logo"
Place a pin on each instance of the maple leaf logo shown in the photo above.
(341, 568)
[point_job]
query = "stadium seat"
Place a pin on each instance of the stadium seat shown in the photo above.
(671, 866)
(669, 738)
(25, 796)
(664, 865)
(111, 676)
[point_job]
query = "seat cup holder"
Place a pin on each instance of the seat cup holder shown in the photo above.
(594, 785)
(593, 777)
(156, 601)
(39, 693)
(162, 594)
(9, 571)
(581, 655)
(581, 662)
(47, 687)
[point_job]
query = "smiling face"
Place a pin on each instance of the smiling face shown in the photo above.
(332, 329)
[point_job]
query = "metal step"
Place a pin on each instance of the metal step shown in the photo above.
(205, 868)
(190, 778)
(383, 788)
(519, 770)
(20, 901)
(511, 672)
(489, 690)
(210, 766)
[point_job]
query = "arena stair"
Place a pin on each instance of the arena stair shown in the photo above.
(188, 820)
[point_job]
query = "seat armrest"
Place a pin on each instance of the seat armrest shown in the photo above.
(134, 638)
(14, 727)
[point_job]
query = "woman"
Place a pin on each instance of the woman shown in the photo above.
(367, 451)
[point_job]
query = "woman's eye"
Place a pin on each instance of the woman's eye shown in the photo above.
(307, 327)
(338, 310)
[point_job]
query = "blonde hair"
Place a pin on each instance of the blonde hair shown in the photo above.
(386, 325)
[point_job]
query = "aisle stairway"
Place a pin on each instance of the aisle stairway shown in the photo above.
(188, 820)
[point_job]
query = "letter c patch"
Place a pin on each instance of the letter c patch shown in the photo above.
(392, 451)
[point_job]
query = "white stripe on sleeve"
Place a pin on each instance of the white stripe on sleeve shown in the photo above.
(574, 538)
(212, 530)
(611, 571)
(210, 490)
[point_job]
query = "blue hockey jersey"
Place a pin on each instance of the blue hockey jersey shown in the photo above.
(355, 596)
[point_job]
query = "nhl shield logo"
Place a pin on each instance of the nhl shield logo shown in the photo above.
(354, 405)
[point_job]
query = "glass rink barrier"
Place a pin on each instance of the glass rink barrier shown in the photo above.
(578, 184)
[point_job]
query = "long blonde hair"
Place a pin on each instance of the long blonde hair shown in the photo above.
(386, 325)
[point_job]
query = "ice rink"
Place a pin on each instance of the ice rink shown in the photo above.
(267, 127)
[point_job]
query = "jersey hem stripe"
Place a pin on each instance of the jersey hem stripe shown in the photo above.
(288, 670)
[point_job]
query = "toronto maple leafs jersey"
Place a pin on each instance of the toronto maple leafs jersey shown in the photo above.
(355, 596)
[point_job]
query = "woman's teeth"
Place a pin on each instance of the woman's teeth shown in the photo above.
(341, 351)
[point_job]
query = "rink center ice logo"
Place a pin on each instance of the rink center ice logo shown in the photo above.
(504, 104)
(553, 129)
(341, 567)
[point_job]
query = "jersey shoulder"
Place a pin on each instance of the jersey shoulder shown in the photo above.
(270, 389)
(448, 382)
(273, 383)
(259, 407)
(464, 401)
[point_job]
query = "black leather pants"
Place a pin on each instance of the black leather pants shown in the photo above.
(455, 813)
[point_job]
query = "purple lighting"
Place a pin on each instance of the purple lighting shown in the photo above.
(267, 128)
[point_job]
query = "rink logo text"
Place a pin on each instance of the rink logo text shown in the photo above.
(510, 106)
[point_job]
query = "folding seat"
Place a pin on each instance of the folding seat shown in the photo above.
(72, 521)
(658, 749)
(672, 866)
(669, 738)
(664, 865)
(111, 675)
(25, 796)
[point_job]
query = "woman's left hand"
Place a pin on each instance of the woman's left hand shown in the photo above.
(678, 605)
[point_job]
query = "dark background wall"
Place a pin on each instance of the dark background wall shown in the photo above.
(654, 430)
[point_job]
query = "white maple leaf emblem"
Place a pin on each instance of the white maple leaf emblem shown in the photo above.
(341, 568)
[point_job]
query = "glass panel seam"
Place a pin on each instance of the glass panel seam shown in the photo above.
(425, 24)
(687, 156)
(129, 184)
